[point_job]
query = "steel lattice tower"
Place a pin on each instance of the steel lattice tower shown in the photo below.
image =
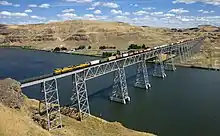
(142, 78)
(80, 97)
(159, 68)
(120, 89)
(52, 105)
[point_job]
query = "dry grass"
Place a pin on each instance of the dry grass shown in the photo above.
(19, 123)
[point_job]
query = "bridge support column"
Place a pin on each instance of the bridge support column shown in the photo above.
(120, 89)
(142, 78)
(159, 71)
(80, 97)
(52, 105)
(170, 66)
(180, 55)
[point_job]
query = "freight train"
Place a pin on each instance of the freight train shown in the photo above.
(117, 56)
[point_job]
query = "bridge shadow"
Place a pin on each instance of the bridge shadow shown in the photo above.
(105, 92)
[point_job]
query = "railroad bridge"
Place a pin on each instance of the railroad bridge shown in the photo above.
(181, 50)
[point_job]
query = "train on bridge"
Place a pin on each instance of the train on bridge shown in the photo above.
(67, 69)
(117, 56)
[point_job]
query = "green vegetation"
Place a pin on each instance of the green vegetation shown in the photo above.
(106, 54)
(81, 47)
(107, 47)
(63, 48)
(56, 49)
(135, 46)
(26, 47)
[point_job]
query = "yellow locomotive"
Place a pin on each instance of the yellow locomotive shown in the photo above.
(69, 68)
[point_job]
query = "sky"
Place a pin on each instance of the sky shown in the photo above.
(157, 13)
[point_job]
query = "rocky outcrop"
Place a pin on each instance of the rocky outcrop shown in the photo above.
(10, 93)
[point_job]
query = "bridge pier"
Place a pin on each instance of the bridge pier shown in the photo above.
(80, 97)
(52, 105)
(159, 71)
(120, 89)
(142, 78)
(180, 55)
(169, 65)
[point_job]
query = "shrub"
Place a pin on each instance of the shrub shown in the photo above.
(56, 49)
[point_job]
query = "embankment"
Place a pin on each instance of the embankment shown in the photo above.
(16, 112)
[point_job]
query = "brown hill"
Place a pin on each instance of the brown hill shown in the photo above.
(81, 32)
(17, 120)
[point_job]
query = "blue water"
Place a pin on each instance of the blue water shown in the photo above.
(186, 103)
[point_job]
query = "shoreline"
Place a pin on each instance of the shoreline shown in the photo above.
(198, 67)
(34, 49)
(90, 55)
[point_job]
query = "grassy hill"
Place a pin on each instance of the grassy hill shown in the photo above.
(17, 120)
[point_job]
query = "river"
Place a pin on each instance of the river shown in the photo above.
(183, 104)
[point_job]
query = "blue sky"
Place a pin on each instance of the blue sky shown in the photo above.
(158, 13)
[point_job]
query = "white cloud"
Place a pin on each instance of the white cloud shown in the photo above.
(88, 15)
(169, 15)
(38, 17)
(14, 14)
(97, 12)
(96, 4)
(120, 12)
(156, 13)
(6, 3)
(44, 6)
(149, 8)
(205, 11)
(127, 13)
(113, 11)
(91, 8)
(179, 11)
(111, 5)
(32, 6)
(68, 10)
(28, 11)
(67, 15)
(80, 1)
(212, 2)
(140, 13)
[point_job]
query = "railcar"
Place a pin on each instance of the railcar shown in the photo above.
(125, 54)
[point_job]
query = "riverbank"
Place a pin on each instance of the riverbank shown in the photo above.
(197, 67)
(16, 118)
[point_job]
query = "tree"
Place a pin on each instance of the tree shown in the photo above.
(56, 49)
(143, 46)
(106, 54)
(118, 52)
(102, 47)
(63, 48)
(81, 47)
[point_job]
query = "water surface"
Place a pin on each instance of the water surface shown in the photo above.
(186, 103)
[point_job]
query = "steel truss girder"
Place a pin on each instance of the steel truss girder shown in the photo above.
(142, 78)
(79, 97)
(159, 71)
(120, 89)
(52, 105)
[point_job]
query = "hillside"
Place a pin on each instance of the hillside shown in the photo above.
(75, 33)
(16, 112)
(72, 34)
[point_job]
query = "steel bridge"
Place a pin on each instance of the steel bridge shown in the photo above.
(79, 97)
